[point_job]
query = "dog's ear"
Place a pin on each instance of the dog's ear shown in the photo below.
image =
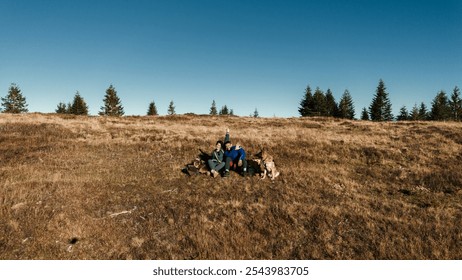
(259, 154)
(264, 154)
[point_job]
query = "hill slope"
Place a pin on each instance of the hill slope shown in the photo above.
(112, 188)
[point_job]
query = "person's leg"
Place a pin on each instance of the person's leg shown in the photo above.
(227, 166)
(219, 166)
(212, 164)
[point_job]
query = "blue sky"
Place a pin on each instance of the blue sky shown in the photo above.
(245, 54)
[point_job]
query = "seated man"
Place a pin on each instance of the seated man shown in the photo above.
(235, 156)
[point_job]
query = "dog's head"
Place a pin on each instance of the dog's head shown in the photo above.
(197, 162)
(265, 156)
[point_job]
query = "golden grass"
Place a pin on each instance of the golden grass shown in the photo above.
(112, 188)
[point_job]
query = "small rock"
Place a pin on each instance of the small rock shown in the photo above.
(18, 205)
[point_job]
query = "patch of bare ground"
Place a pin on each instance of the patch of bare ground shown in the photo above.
(112, 188)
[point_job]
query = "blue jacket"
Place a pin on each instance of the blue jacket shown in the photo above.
(233, 153)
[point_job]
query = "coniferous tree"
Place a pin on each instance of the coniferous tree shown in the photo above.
(171, 109)
(255, 113)
(403, 114)
(319, 103)
(112, 105)
(79, 106)
(61, 108)
(213, 109)
(14, 102)
(440, 107)
(364, 114)
(414, 114)
(331, 105)
(231, 112)
(423, 112)
(152, 109)
(380, 108)
(456, 105)
(224, 110)
(69, 108)
(346, 109)
(306, 104)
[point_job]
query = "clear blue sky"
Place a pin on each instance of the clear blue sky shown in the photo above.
(245, 54)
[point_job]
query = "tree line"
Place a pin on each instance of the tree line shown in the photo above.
(443, 108)
(323, 104)
(380, 109)
(15, 103)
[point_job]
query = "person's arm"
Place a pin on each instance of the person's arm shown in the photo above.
(241, 154)
(226, 136)
(212, 156)
(220, 156)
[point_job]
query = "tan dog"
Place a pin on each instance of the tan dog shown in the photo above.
(267, 165)
(198, 166)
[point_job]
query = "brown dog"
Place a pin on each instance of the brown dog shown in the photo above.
(198, 165)
(267, 165)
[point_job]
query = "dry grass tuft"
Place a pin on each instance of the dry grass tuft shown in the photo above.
(112, 188)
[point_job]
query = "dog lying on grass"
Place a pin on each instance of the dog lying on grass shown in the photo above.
(198, 165)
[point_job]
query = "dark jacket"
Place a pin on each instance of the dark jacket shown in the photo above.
(217, 156)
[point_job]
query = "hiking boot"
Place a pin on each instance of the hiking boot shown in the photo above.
(214, 173)
(226, 174)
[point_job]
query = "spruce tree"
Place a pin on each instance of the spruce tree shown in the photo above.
(61, 108)
(231, 112)
(213, 109)
(440, 107)
(364, 114)
(414, 114)
(346, 108)
(171, 109)
(79, 106)
(112, 105)
(224, 110)
(255, 113)
(456, 105)
(380, 108)
(319, 103)
(423, 112)
(331, 105)
(306, 104)
(152, 109)
(14, 102)
(403, 114)
(69, 108)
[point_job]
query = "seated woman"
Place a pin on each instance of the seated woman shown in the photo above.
(216, 162)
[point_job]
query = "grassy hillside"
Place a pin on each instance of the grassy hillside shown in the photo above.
(112, 188)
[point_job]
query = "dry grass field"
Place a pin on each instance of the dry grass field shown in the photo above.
(113, 188)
